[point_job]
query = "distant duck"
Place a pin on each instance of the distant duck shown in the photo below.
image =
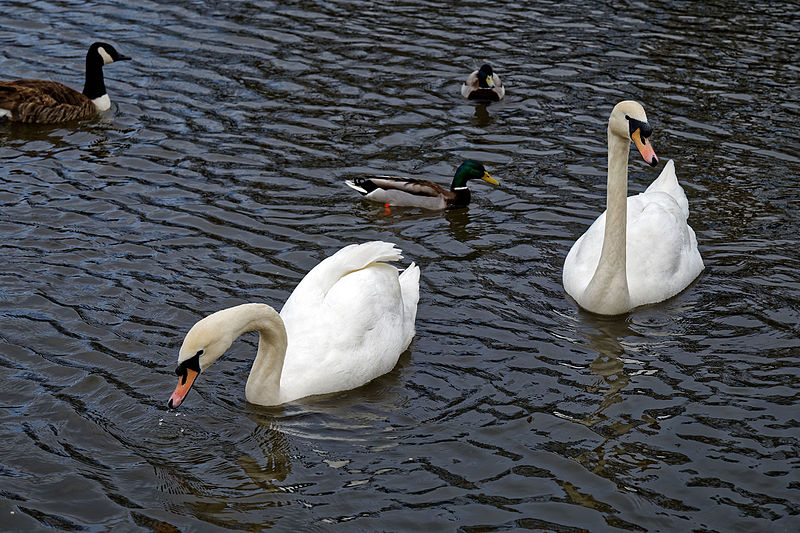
(397, 191)
(641, 249)
(49, 102)
(483, 85)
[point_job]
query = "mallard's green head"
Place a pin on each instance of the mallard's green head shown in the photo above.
(469, 170)
(485, 77)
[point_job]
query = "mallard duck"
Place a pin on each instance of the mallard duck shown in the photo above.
(346, 323)
(641, 250)
(397, 191)
(47, 102)
(483, 85)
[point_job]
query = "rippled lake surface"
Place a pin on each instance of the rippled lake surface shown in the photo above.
(217, 179)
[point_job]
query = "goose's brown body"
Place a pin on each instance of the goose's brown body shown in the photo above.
(44, 102)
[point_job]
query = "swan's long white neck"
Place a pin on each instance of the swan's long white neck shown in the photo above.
(263, 385)
(607, 292)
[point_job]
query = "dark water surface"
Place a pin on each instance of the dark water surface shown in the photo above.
(217, 179)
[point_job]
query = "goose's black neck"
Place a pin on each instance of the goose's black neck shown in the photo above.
(95, 86)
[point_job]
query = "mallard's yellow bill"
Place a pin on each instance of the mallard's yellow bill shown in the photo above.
(488, 178)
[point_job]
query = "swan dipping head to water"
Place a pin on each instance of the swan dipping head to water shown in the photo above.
(346, 323)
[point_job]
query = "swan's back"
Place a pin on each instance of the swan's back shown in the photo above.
(348, 320)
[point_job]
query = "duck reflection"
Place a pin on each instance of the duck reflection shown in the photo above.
(459, 220)
(482, 116)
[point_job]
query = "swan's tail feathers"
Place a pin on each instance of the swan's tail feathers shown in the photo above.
(316, 284)
(358, 256)
(667, 182)
(409, 288)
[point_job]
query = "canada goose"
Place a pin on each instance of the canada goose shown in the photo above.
(483, 85)
(392, 190)
(48, 102)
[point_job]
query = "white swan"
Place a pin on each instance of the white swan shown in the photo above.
(646, 252)
(346, 323)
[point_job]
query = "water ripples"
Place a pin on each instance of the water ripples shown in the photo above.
(217, 179)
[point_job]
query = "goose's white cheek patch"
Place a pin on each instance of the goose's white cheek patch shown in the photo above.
(105, 55)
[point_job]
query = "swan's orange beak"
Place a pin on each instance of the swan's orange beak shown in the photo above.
(185, 383)
(645, 148)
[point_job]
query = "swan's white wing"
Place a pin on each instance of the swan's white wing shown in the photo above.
(312, 289)
(582, 259)
(661, 247)
(409, 288)
(348, 321)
